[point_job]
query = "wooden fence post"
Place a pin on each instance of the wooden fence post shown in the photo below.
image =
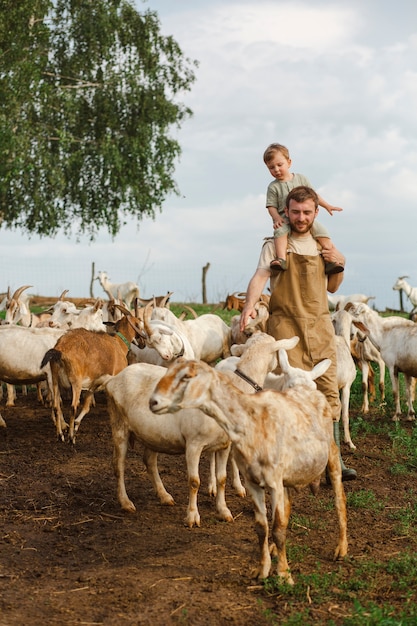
(93, 271)
(205, 270)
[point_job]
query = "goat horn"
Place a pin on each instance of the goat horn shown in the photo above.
(137, 330)
(63, 294)
(123, 309)
(166, 298)
(193, 313)
(19, 291)
(402, 277)
(147, 317)
(136, 307)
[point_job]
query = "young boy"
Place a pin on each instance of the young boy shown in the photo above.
(277, 159)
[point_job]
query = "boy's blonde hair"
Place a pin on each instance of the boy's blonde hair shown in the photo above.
(272, 149)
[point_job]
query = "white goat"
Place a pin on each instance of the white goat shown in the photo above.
(396, 339)
(125, 291)
(190, 433)
(364, 354)
(18, 310)
(21, 353)
(208, 335)
(345, 367)
(338, 301)
(411, 292)
(66, 315)
(281, 440)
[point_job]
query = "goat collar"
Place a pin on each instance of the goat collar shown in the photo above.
(123, 338)
(248, 380)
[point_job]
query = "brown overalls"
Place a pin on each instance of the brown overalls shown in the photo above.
(299, 306)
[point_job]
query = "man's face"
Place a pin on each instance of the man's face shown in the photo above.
(301, 215)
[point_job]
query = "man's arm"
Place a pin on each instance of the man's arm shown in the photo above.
(255, 288)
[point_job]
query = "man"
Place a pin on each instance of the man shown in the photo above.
(298, 304)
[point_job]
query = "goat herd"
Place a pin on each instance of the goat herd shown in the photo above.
(222, 395)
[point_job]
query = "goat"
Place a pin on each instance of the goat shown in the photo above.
(345, 367)
(66, 315)
(258, 323)
(364, 353)
(80, 359)
(18, 311)
(249, 368)
(21, 352)
(234, 302)
(162, 301)
(281, 440)
(338, 301)
(124, 291)
(411, 292)
(208, 335)
(396, 339)
(190, 433)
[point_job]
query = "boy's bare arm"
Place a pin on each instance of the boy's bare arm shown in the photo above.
(277, 220)
(329, 207)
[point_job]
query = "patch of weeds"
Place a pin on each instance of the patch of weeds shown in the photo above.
(370, 614)
(404, 447)
(361, 426)
(274, 584)
(406, 519)
(302, 524)
(318, 585)
(404, 571)
(364, 499)
(297, 553)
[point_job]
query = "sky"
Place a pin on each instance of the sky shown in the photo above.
(334, 81)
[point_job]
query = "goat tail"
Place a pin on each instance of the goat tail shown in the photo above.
(52, 356)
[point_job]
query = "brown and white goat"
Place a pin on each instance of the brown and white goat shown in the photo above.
(188, 432)
(281, 440)
(80, 360)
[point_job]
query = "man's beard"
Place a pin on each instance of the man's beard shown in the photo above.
(302, 229)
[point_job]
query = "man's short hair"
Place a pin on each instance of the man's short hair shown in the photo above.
(301, 194)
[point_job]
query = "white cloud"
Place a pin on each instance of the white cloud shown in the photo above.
(335, 82)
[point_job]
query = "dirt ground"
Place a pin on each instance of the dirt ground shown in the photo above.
(69, 555)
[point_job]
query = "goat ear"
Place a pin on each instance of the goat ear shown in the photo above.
(286, 344)
(283, 361)
(361, 327)
(237, 349)
(319, 369)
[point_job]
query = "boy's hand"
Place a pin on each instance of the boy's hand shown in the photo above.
(278, 222)
(330, 209)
